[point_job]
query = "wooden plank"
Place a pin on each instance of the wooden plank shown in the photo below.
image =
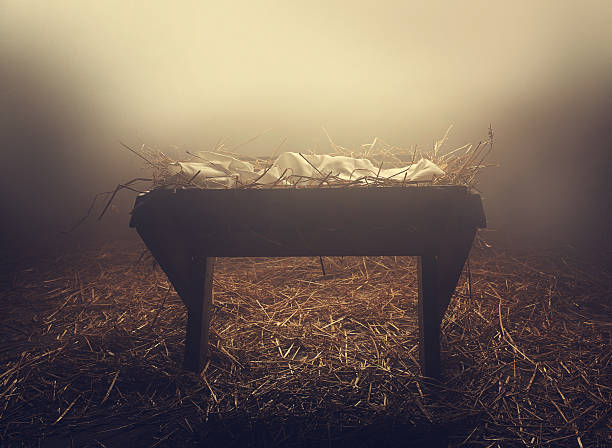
(296, 242)
(453, 252)
(214, 211)
(358, 221)
(192, 278)
(198, 314)
(429, 324)
(377, 241)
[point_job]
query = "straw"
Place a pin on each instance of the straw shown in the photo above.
(93, 342)
(461, 165)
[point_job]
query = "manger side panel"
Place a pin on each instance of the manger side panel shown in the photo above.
(277, 209)
(214, 226)
(274, 209)
(295, 242)
(314, 243)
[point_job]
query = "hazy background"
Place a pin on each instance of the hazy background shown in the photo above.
(77, 76)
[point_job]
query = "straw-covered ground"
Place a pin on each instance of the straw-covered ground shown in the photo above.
(91, 350)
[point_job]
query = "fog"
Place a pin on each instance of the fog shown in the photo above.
(76, 77)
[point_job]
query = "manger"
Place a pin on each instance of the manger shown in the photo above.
(186, 228)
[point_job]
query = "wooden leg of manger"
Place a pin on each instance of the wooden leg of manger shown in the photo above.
(191, 275)
(429, 322)
(198, 314)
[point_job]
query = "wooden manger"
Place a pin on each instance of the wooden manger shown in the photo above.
(186, 229)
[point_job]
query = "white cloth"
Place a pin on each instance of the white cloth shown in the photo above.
(222, 171)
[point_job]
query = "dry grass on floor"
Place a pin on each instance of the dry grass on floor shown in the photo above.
(91, 350)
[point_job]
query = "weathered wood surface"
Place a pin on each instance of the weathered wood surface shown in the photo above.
(429, 325)
(312, 222)
(186, 229)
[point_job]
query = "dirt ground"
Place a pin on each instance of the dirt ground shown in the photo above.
(91, 353)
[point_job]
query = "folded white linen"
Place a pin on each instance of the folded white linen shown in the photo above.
(223, 171)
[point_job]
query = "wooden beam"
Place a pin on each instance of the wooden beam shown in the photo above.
(270, 210)
(191, 276)
(429, 324)
(198, 314)
(453, 252)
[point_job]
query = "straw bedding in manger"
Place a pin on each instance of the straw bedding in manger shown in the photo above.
(92, 350)
(461, 166)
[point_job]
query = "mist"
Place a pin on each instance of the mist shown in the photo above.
(78, 77)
